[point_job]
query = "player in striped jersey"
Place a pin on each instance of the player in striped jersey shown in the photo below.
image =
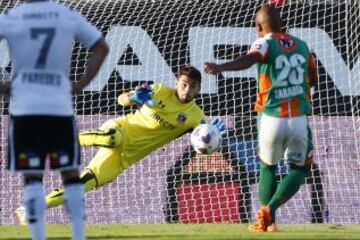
(286, 72)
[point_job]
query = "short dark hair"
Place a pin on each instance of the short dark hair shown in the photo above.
(191, 72)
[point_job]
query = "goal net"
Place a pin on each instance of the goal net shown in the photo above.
(149, 41)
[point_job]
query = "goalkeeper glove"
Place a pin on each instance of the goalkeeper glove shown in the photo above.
(143, 95)
(219, 124)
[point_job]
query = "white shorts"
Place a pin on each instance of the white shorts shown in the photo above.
(284, 137)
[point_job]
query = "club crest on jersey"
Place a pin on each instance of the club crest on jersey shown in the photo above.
(286, 44)
(181, 118)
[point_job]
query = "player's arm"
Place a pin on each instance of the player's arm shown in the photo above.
(141, 95)
(240, 63)
(312, 71)
(257, 53)
(92, 39)
(124, 99)
(5, 82)
(4, 87)
(98, 54)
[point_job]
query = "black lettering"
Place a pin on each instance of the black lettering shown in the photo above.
(42, 78)
(162, 122)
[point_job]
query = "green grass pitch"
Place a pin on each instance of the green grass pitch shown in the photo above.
(193, 232)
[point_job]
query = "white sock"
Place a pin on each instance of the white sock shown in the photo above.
(35, 209)
(75, 204)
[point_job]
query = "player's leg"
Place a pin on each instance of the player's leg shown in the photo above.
(298, 155)
(35, 205)
(103, 168)
(271, 138)
(75, 202)
(27, 155)
(108, 135)
(65, 156)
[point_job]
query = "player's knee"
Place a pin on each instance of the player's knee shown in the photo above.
(112, 130)
(88, 175)
(115, 137)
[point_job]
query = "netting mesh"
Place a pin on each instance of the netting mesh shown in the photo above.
(151, 41)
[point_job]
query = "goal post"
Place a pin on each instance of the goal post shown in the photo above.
(150, 40)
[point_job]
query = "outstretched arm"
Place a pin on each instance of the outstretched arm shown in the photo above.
(141, 95)
(125, 99)
(240, 63)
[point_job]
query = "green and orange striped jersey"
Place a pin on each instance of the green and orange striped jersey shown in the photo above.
(283, 87)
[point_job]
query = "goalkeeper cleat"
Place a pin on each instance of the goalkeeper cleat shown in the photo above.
(21, 215)
(108, 138)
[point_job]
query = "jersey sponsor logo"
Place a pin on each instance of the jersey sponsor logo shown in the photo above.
(162, 122)
(181, 118)
(40, 15)
(286, 44)
(288, 92)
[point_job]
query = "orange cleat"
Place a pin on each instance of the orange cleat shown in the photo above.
(263, 221)
(255, 228)
(272, 228)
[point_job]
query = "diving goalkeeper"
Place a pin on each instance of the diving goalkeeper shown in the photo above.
(165, 115)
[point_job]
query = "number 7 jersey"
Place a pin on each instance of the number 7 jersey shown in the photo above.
(40, 36)
(283, 86)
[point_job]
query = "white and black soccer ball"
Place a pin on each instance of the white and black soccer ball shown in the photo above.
(206, 139)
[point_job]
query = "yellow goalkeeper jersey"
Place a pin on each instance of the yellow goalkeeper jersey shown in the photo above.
(151, 127)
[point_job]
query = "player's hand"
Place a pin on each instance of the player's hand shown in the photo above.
(219, 124)
(212, 68)
(143, 95)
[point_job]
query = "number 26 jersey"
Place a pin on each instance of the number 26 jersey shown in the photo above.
(283, 86)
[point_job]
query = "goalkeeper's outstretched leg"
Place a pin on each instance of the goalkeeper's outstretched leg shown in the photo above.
(103, 168)
(109, 135)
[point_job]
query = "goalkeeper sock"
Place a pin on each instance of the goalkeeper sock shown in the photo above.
(75, 204)
(35, 208)
(267, 185)
(287, 188)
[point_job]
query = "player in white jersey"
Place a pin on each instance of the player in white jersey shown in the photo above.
(40, 35)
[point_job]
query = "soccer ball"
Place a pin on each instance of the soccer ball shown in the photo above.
(206, 139)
